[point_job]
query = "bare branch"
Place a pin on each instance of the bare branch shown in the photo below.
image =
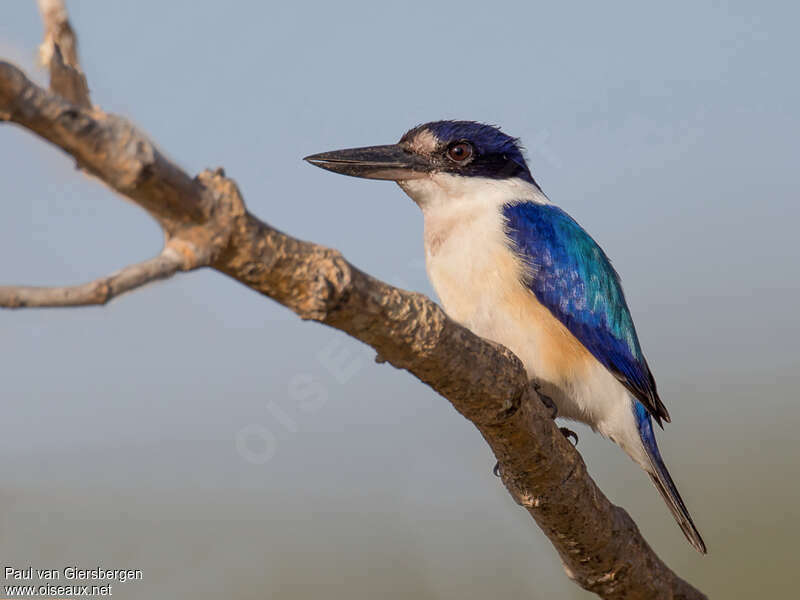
(207, 224)
(99, 291)
(107, 147)
(59, 52)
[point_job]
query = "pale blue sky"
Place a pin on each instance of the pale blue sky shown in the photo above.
(669, 131)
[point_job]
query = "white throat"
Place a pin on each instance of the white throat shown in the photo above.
(453, 193)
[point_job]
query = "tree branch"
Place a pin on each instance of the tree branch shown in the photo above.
(99, 291)
(205, 220)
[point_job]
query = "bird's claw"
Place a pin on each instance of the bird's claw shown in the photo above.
(569, 434)
(546, 400)
(496, 469)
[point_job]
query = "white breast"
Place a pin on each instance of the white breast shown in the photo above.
(467, 255)
(479, 281)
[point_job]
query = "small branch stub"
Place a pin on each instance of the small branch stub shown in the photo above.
(59, 53)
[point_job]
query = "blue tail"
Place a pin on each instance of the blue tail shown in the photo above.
(663, 481)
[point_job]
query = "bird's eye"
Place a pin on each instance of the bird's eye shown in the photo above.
(460, 152)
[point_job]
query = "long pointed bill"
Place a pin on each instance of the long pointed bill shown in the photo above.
(391, 162)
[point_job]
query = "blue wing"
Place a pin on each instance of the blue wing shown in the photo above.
(571, 275)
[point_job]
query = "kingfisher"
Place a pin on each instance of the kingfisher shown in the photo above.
(516, 269)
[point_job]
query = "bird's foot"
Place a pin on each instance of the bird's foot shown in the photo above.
(569, 434)
(546, 400)
(496, 469)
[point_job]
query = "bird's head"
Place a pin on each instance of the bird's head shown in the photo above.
(450, 155)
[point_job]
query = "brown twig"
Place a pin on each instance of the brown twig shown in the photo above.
(205, 221)
(99, 291)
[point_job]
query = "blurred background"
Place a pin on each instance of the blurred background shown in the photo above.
(205, 435)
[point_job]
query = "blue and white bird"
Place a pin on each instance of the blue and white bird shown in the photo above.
(516, 269)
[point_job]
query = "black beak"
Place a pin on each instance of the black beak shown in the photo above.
(392, 162)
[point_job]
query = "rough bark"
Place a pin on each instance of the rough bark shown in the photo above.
(206, 225)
